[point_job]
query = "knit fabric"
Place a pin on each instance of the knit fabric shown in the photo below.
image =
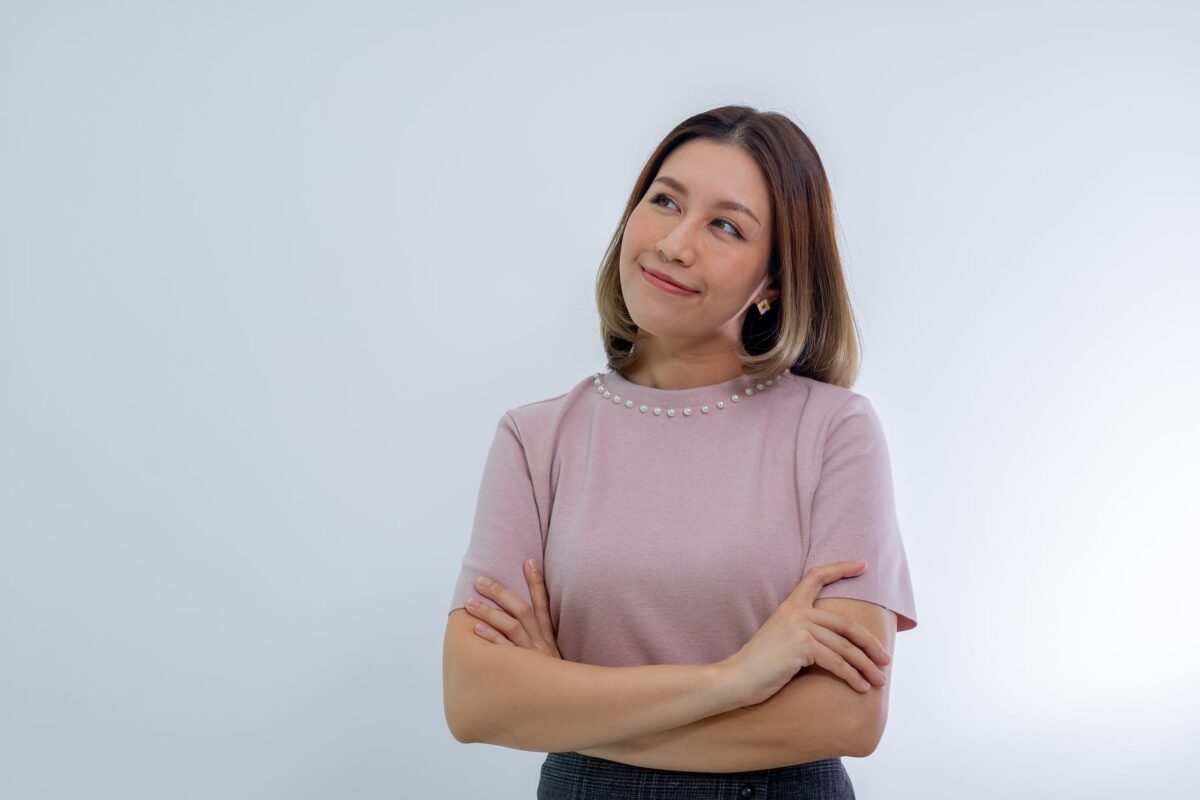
(671, 540)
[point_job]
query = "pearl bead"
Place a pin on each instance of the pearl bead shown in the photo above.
(598, 381)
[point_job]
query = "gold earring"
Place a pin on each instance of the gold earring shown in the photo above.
(763, 306)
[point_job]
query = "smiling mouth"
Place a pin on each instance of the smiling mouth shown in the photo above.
(665, 283)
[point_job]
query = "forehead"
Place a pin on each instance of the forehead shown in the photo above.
(713, 171)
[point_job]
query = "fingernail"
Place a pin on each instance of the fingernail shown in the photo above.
(472, 603)
(484, 582)
(532, 565)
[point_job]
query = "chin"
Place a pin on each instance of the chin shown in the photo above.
(661, 325)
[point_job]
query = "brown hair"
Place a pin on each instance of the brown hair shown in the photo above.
(810, 329)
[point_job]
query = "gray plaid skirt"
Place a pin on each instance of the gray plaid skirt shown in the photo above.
(574, 776)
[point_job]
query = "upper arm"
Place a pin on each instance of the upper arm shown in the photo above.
(507, 527)
(507, 530)
(866, 712)
(853, 514)
(459, 647)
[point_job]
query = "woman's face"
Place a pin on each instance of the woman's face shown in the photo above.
(718, 251)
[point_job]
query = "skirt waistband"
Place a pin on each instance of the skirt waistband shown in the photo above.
(575, 775)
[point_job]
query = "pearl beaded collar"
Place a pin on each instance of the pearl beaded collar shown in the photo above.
(749, 391)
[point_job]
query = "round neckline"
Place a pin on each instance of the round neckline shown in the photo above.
(619, 384)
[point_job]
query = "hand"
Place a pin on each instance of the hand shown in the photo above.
(797, 636)
(522, 626)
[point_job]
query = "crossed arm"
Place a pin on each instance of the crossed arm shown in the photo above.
(814, 716)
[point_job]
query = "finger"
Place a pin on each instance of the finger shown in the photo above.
(862, 663)
(491, 635)
(815, 579)
(863, 638)
(818, 577)
(840, 667)
(513, 630)
(510, 602)
(541, 602)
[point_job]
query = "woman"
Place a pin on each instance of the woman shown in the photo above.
(711, 497)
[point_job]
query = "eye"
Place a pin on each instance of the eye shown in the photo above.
(654, 201)
(735, 231)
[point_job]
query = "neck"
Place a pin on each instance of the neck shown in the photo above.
(660, 368)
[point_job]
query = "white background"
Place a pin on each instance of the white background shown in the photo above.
(270, 273)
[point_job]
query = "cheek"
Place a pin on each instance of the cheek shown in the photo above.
(635, 243)
(644, 228)
(734, 289)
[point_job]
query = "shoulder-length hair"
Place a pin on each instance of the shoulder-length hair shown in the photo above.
(810, 329)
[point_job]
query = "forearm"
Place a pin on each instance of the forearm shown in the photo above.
(804, 721)
(519, 698)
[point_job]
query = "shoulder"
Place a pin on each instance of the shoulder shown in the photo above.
(538, 418)
(829, 402)
(834, 415)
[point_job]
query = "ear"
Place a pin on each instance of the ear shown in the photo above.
(769, 294)
(767, 289)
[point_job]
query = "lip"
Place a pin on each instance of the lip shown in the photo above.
(666, 284)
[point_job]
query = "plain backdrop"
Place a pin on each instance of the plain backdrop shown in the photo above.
(270, 272)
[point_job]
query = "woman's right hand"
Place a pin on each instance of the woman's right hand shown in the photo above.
(797, 635)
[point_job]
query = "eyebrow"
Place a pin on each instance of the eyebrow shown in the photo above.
(729, 204)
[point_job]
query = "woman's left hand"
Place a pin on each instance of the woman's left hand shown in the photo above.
(521, 626)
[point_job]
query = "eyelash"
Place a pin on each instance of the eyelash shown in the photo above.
(735, 231)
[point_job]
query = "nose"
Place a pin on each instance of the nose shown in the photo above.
(677, 245)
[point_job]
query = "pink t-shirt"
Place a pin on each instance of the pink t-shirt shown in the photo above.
(671, 537)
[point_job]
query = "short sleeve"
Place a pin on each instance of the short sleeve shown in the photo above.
(507, 528)
(854, 514)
